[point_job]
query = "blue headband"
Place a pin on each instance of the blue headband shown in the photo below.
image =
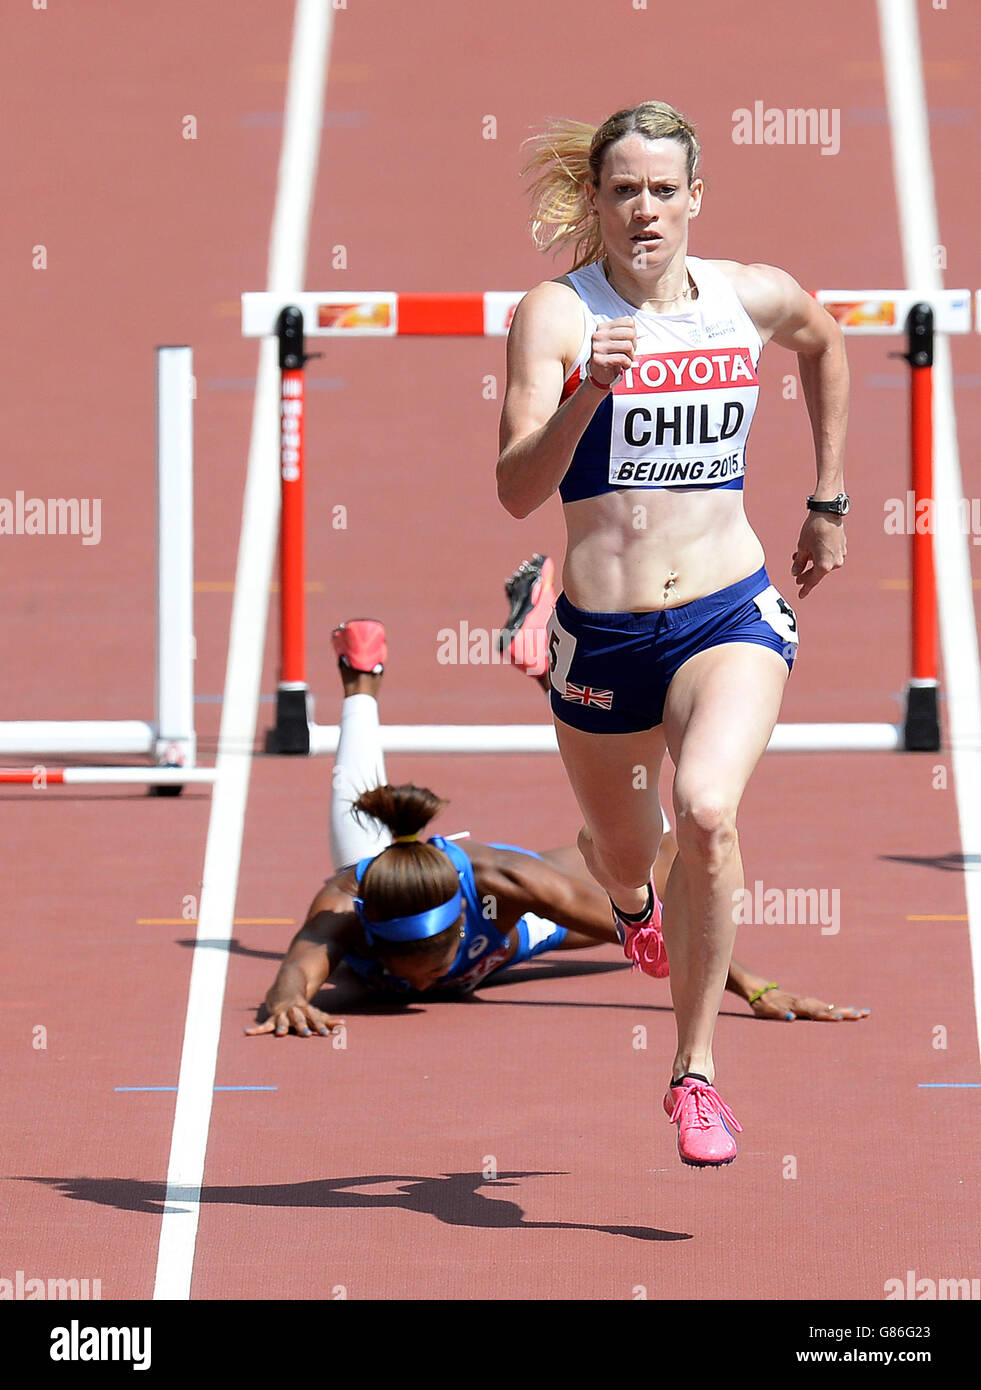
(414, 928)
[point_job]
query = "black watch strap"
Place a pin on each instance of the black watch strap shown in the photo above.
(837, 506)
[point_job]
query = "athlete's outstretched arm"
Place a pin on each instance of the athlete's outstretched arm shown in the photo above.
(770, 1003)
(785, 1004)
(526, 884)
(317, 948)
(775, 1003)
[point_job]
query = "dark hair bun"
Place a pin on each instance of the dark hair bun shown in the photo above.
(405, 809)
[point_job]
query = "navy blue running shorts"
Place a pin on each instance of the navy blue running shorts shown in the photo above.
(610, 672)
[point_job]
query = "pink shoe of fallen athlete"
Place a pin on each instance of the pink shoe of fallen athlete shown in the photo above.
(643, 941)
(705, 1123)
(360, 644)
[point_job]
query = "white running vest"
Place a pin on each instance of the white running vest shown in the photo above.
(680, 415)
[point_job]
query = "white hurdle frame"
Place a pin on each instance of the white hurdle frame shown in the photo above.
(389, 314)
(540, 738)
(170, 740)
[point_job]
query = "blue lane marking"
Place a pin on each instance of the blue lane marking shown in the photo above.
(949, 1085)
(216, 1088)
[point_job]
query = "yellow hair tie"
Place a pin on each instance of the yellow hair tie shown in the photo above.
(403, 839)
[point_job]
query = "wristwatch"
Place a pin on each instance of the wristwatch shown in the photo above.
(838, 506)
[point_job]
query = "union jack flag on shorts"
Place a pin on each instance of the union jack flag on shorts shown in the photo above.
(588, 695)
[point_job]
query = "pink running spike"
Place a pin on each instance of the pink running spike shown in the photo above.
(705, 1123)
(643, 943)
(360, 644)
(529, 646)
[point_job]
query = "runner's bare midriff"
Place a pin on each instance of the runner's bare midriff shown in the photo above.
(640, 549)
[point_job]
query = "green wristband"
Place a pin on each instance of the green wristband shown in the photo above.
(760, 992)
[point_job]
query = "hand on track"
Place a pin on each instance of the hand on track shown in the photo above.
(297, 1014)
(783, 1005)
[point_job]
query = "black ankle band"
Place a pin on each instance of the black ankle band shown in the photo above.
(637, 916)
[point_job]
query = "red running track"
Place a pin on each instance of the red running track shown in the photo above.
(376, 1156)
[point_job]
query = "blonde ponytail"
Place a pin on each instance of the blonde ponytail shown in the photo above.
(560, 160)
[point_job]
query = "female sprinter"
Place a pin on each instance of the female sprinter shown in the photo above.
(631, 389)
(411, 916)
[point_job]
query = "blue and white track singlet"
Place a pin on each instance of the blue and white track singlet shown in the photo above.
(680, 415)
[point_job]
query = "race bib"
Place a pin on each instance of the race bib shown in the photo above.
(775, 610)
(682, 418)
(561, 650)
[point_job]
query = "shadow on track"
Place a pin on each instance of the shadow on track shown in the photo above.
(452, 1198)
(954, 862)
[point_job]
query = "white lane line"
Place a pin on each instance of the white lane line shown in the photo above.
(257, 546)
(920, 234)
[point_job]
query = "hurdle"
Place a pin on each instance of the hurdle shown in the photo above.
(41, 777)
(170, 740)
(488, 314)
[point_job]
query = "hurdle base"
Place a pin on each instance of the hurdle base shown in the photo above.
(176, 753)
(291, 732)
(921, 731)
